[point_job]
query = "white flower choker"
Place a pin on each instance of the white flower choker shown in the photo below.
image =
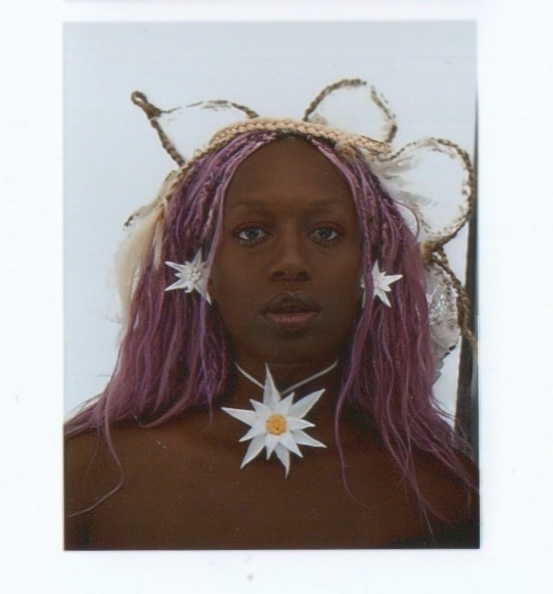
(290, 389)
(277, 424)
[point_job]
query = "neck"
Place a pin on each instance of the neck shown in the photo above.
(293, 387)
(285, 373)
(301, 380)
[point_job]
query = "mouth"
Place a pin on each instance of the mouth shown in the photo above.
(291, 311)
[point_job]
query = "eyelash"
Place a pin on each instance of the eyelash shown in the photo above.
(250, 242)
(338, 233)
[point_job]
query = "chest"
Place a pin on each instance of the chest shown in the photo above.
(209, 503)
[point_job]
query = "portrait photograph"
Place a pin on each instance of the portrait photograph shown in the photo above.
(271, 205)
(277, 299)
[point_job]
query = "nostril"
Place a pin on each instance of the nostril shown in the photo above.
(289, 276)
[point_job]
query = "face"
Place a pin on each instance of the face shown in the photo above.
(286, 273)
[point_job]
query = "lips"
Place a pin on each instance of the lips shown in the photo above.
(291, 311)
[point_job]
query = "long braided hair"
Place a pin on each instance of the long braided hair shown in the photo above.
(174, 355)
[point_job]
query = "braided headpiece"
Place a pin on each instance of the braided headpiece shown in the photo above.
(435, 215)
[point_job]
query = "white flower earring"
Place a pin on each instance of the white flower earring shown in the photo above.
(191, 276)
(381, 284)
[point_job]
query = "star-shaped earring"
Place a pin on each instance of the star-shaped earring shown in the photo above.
(381, 284)
(191, 276)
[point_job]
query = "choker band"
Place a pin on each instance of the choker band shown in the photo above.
(293, 387)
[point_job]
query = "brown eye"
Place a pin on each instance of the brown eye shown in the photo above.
(250, 235)
(326, 234)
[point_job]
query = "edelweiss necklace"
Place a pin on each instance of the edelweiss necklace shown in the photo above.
(277, 424)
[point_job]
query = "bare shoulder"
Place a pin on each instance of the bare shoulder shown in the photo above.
(82, 455)
(95, 462)
(135, 475)
(456, 505)
(179, 486)
(91, 472)
(451, 505)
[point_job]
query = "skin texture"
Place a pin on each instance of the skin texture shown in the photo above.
(285, 279)
(290, 241)
(183, 490)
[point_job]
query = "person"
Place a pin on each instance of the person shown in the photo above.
(274, 383)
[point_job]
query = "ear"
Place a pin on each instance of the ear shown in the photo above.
(211, 290)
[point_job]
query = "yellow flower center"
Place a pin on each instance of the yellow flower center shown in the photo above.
(275, 424)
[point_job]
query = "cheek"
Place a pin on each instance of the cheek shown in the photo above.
(233, 290)
(221, 274)
(341, 293)
(345, 290)
(343, 305)
(343, 276)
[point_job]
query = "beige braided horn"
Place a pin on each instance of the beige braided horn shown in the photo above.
(152, 113)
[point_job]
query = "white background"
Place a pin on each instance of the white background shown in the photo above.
(515, 81)
(114, 162)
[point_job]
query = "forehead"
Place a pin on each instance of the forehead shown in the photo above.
(288, 167)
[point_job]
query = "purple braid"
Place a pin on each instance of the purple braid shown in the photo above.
(175, 357)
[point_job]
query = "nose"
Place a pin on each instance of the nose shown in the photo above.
(289, 260)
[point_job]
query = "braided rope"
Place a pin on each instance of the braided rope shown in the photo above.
(432, 253)
(341, 84)
(344, 141)
(282, 125)
(298, 127)
(153, 113)
(218, 103)
(469, 186)
(380, 102)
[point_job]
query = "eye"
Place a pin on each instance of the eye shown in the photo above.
(250, 235)
(326, 234)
